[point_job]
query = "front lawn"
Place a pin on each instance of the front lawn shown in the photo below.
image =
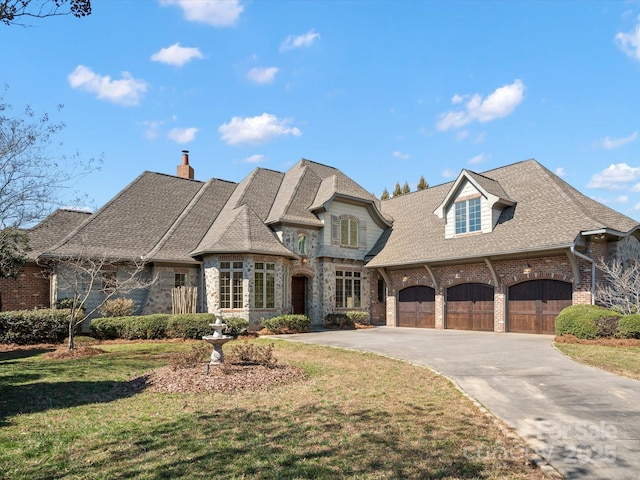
(621, 360)
(354, 416)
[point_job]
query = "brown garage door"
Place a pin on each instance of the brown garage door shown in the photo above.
(417, 307)
(534, 305)
(470, 307)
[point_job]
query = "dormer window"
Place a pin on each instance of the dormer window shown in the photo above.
(349, 232)
(468, 216)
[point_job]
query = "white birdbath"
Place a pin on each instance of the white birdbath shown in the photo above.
(217, 339)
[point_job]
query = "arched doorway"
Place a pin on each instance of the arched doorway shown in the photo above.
(299, 294)
(416, 307)
(470, 307)
(535, 304)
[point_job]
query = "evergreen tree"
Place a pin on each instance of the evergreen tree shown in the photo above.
(406, 188)
(385, 195)
(398, 191)
(422, 184)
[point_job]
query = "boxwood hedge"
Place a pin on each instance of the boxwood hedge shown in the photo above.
(29, 327)
(587, 321)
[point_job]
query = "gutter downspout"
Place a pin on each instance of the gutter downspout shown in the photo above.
(593, 270)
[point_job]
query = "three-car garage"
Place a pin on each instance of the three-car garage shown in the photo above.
(532, 306)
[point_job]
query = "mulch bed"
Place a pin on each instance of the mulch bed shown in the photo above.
(220, 379)
(606, 342)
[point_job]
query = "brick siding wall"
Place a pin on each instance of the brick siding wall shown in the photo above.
(29, 291)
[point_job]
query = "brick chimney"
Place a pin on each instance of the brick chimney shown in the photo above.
(185, 170)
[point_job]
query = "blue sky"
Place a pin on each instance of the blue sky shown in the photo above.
(386, 91)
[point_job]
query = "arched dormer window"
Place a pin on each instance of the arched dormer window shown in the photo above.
(302, 244)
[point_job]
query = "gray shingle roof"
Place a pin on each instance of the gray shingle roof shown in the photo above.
(132, 223)
(242, 231)
(549, 214)
(297, 191)
(190, 228)
(53, 229)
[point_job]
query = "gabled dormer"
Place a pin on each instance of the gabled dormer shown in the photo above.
(472, 205)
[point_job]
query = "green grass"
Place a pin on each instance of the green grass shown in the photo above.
(615, 359)
(354, 416)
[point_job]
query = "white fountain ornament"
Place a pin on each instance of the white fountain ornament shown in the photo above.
(217, 339)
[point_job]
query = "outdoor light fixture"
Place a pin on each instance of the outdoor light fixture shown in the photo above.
(458, 274)
(405, 278)
(304, 260)
(527, 269)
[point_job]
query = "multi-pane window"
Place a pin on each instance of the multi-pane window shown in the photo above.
(468, 216)
(230, 284)
(349, 232)
(302, 244)
(348, 289)
(109, 279)
(179, 280)
(264, 293)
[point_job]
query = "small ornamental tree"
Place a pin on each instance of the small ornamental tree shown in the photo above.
(102, 278)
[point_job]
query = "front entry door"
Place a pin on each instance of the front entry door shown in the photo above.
(298, 295)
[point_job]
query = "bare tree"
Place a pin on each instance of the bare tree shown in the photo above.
(621, 287)
(31, 176)
(90, 282)
(12, 10)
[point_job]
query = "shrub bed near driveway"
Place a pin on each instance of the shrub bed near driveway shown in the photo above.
(287, 324)
(589, 322)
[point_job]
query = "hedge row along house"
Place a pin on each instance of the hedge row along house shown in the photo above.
(500, 251)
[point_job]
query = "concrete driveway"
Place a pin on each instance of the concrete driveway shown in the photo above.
(584, 421)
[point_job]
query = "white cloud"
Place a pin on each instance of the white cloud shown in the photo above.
(622, 199)
(400, 155)
(448, 173)
(462, 135)
(256, 130)
(263, 75)
(560, 171)
(477, 159)
(126, 91)
(176, 55)
(499, 104)
(305, 40)
(615, 177)
(254, 159)
(182, 135)
(609, 143)
(219, 13)
(151, 130)
(629, 43)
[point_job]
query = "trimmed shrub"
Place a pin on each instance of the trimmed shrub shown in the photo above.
(287, 324)
(236, 326)
(64, 303)
(585, 321)
(29, 327)
(118, 307)
(338, 320)
(359, 316)
(107, 328)
(146, 327)
(246, 353)
(190, 325)
(629, 326)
